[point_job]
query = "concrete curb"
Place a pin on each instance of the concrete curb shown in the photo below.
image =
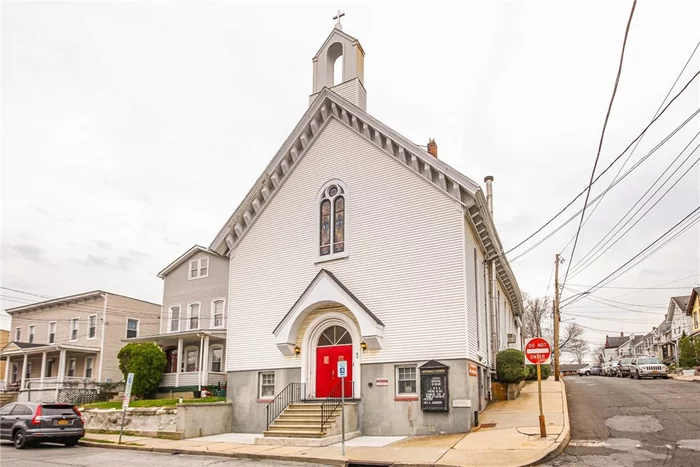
(564, 437)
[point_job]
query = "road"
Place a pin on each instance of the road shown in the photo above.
(45, 455)
(619, 422)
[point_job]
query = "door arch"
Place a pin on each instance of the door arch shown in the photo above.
(349, 338)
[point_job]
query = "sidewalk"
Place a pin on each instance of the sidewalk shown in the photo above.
(508, 436)
(695, 379)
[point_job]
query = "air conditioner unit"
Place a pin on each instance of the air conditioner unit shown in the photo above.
(511, 338)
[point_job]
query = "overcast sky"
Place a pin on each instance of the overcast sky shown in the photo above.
(131, 131)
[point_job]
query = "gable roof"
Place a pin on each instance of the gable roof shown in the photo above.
(691, 300)
(572, 366)
(680, 302)
(615, 342)
(70, 299)
(329, 105)
(338, 31)
(184, 257)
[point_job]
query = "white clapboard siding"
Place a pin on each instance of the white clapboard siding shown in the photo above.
(405, 262)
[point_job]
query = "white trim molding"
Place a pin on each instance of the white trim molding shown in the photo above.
(326, 289)
(212, 313)
(189, 315)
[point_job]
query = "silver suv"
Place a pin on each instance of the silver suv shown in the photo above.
(610, 368)
(623, 367)
(648, 366)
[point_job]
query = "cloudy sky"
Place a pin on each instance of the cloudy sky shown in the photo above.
(132, 130)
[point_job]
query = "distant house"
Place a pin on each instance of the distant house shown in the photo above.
(4, 340)
(72, 339)
(679, 323)
(571, 368)
(612, 343)
(192, 328)
(693, 312)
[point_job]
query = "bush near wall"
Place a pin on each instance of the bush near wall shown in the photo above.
(532, 372)
(689, 352)
(147, 363)
(510, 366)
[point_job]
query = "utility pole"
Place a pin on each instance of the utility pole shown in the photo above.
(556, 318)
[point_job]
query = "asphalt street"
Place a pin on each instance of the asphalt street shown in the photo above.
(45, 455)
(619, 422)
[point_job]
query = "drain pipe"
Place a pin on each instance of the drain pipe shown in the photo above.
(492, 278)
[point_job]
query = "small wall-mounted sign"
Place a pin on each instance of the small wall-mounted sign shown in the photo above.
(382, 382)
(461, 403)
(472, 370)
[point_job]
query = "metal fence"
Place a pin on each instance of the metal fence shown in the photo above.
(69, 392)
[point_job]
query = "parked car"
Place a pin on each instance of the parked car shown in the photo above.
(641, 367)
(623, 367)
(611, 368)
(589, 370)
(33, 422)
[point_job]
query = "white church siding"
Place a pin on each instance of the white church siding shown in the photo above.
(405, 256)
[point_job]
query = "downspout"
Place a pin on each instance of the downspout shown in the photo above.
(492, 278)
(201, 352)
(102, 338)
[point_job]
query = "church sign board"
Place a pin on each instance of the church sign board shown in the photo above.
(434, 393)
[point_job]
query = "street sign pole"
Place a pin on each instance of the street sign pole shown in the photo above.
(342, 374)
(537, 352)
(125, 402)
(543, 426)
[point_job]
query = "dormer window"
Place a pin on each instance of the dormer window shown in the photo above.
(199, 268)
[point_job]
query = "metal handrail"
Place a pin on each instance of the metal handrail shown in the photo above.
(294, 392)
(332, 402)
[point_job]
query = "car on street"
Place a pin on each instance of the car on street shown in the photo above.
(642, 367)
(610, 369)
(25, 423)
(589, 370)
(623, 367)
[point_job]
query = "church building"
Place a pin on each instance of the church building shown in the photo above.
(357, 245)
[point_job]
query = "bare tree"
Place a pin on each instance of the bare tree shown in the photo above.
(537, 312)
(578, 349)
(571, 334)
(599, 355)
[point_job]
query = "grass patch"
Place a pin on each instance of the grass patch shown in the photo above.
(152, 403)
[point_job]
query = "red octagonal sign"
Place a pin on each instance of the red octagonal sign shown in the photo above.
(537, 350)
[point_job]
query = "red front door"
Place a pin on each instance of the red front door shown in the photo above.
(327, 359)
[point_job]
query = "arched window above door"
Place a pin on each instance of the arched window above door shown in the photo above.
(332, 219)
(334, 335)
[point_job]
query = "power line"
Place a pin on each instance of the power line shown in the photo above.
(638, 288)
(592, 256)
(609, 166)
(670, 90)
(642, 289)
(600, 144)
(601, 194)
(645, 250)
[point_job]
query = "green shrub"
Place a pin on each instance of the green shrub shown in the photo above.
(532, 372)
(510, 366)
(689, 350)
(147, 363)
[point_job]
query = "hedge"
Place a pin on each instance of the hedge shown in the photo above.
(510, 366)
(532, 372)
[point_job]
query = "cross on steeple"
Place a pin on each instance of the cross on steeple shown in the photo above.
(337, 17)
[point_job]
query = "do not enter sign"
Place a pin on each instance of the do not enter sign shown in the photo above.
(537, 351)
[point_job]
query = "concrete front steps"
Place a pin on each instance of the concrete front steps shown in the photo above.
(300, 425)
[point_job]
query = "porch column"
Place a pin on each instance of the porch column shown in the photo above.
(24, 371)
(201, 350)
(61, 366)
(43, 369)
(205, 362)
(179, 361)
(8, 364)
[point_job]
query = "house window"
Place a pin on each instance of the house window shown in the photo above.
(217, 354)
(191, 357)
(15, 372)
(199, 268)
(332, 220)
(218, 313)
(175, 319)
(696, 317)
(171, 356)
(89, 361)
(71, 367)
(49, 368)
(92, 325)
(194, 316)
(28, 374)
(406, 380)
(18, 334)
(267, 385)
(52, 332)
(31, 334)
(132, 328)
(74, 329)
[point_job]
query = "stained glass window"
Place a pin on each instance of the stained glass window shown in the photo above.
(332, 222)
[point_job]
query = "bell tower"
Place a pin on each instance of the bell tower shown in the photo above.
(340, 46)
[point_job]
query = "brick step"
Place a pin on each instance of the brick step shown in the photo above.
(294, 433)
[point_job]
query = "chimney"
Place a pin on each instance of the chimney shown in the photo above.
(489, 193)
(622, 334)
(432, 147)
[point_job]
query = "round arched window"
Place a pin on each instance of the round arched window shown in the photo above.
(334, 335)
(332, 237)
